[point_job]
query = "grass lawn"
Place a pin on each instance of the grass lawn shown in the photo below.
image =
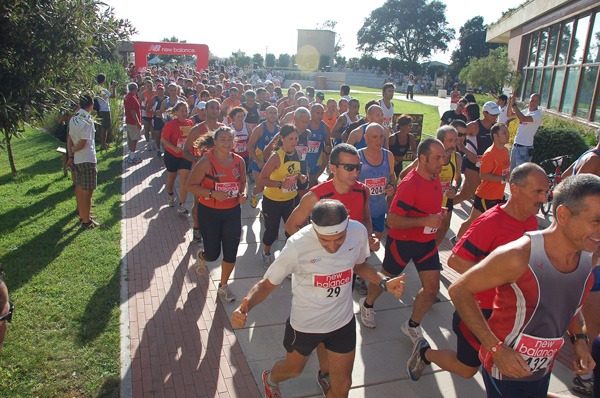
(64, 282)
(431, 116)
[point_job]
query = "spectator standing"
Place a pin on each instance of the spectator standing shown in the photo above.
(133, 121)
(102, 95)
(529, 121)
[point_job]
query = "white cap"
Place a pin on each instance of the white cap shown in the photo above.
(491, 107)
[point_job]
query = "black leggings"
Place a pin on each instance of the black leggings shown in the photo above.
(220, 227)
(273, 211)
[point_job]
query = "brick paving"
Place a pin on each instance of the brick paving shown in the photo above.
(181, 339)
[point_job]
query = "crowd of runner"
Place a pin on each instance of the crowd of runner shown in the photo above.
(337, 182)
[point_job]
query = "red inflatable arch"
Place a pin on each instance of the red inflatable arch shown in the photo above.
(143, 48)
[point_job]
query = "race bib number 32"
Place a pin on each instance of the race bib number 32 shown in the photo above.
(538, 352)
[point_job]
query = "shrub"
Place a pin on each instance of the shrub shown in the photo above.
(550, 142)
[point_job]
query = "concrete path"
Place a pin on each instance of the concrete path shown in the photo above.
(180, 339)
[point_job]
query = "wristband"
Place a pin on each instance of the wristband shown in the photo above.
(576, 337)
(210, 193)
(496, 347)
(382, 284)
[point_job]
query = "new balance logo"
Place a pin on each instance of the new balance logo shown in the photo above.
(154, 47)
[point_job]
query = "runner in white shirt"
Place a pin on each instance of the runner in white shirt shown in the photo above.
(386, 103)
(529, 121)
(321, 258)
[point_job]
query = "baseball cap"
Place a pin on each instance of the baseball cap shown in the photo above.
(491, 107)
(201, 105)
(320, 95)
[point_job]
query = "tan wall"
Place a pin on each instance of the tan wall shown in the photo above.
(316, 43)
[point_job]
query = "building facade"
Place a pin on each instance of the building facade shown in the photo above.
(556, 46)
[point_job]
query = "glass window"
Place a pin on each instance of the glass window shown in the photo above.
(593, 54)
(552, 43)
(525, 50)
(583, 25)
(565, 40)
(527, 84)
(559, 77)
(546, 86)
(587, 91)
(570, 90)
(534, 47)
(596, 115)
(536, 81)
(542, 48)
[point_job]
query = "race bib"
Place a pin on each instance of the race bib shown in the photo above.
(376, 185)
(313, 146)
(303, 150)
(446, 186)
(231, 188)
(294, 187)
(333, 285)
(504, 174)
(429, 230)
(181, 143)
(240, 146)
(538, 352)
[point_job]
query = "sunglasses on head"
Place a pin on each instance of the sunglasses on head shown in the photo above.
(350, 166)
(8, 316)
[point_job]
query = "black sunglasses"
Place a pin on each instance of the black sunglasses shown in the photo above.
(461, 134)
(8, 317)
(350, 166)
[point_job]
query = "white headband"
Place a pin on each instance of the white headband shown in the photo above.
(332, 229)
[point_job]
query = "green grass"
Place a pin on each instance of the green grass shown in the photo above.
(64, 282)
(431, 116)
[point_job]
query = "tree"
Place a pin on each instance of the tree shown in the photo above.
(408, 29)
(270, 60)
(491, 73)
(471, 44)
(284, 60)
(258, 59)
(49, 47)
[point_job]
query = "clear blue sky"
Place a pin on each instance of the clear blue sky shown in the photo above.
(259, 25)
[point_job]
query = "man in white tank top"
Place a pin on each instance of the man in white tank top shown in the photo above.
(386, 103)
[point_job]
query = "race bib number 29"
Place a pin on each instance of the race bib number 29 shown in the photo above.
(333, 285)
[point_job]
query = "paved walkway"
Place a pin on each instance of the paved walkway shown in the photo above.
(180, 341)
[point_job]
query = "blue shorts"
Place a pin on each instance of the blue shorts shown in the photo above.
(511, 388)
(596, 285)
(254, 167)
(378, 223)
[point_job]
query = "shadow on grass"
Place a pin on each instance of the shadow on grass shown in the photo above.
(110, 388)
(31, 258)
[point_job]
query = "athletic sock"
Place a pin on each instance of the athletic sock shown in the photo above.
(270, 382)
(588, 376)
(413, 324)
(367, 305)
(422, 353)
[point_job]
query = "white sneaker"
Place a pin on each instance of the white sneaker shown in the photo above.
(226, 293)
(267, 259)
(171, 200)
(367, 315)
(200, 264)
(182, 210)
(414, 333)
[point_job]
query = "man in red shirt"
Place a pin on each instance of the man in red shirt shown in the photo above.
(498, 226)
(415, 215)
(133, 121)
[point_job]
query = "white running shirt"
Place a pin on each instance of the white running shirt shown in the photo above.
(321, 281)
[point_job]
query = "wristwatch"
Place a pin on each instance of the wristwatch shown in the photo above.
(382, 284)
(576, 337)
(279, 184)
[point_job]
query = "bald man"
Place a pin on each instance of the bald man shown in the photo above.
(357, 136)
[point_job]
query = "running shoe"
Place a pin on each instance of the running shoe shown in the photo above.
(267, 259)
(582, 386)
(414, 333)
(360, 286)
(323, 381)
(200, 265)
(182, 210)
(171, 200)
(137, 160)
(253, 201)
(367, 315)
(270, 392)
(416, 364)
(197, 236)
(130, 160)
(226, 293)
